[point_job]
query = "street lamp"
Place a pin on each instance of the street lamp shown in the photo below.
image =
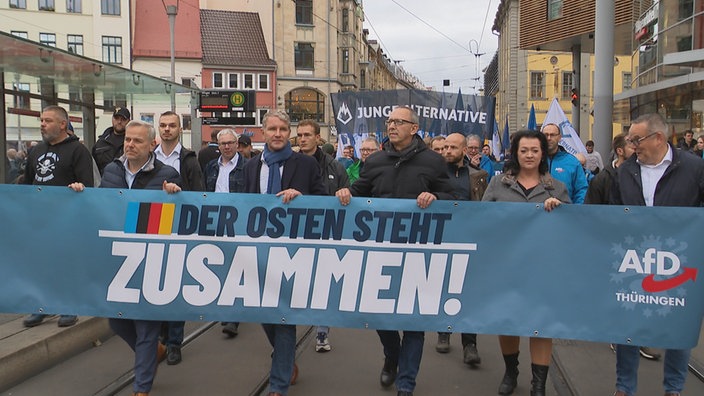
(171, 12)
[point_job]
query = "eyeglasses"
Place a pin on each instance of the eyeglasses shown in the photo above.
(636, 141)
(397, 122)
(367, 150)
(473, 148)
(227, 143)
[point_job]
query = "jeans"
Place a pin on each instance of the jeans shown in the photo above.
(469, 338)
(406, 352)
(628, 359)
(283, 339)
(142, 336)
(323, 329)
(174, 333)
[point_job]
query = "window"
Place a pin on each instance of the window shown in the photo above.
(112, 49)
(345, 60)
(554, 9)
(186, 122)
(247, 81)
(18, 4)
(305, 103)
(147, 117)
(46, 5)
(685, 9)
(15, 33)
(75, 43)
(537, 85)
(110, 7)
(74, 6)
(263, 82)
(218, 80)
(304, 12)
(114, 101)
(233, 80)
(47, 39)
(304, 56)
(74, 95)
(189, 81)
(362, 79)
(627, 81)
(345, 20)
(21, 101)
(260, 115)
(567, 84)
(684, 43)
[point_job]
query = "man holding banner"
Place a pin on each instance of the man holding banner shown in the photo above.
(394, 173)
(658, 175)
(281, 171)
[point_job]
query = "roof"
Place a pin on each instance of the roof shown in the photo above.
(232, 38)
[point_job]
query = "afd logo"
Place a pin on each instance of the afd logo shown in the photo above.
(159, 219)
(662, 263)
(343, 114)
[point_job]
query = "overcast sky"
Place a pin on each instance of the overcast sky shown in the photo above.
(432, 38)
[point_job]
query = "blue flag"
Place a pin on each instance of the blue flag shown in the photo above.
(532, 124)
(505, 140)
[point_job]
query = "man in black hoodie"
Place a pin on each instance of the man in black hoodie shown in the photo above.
(59, 160)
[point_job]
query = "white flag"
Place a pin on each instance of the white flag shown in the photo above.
(496, 142)
(570, 140)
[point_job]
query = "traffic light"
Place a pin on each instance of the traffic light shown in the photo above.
(575, 97)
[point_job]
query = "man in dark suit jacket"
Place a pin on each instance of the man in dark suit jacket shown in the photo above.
(281, 171)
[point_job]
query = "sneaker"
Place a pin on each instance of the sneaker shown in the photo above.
(67, 320)
(471, 355)
(443, 345)
(34, 320)
(230, 329)
(613, 347)
(173, 355)
(649, 353)
(321, 343)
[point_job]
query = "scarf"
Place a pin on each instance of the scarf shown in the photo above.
(274, 160)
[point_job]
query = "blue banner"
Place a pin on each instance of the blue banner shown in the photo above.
(598, 273)
(359, 115)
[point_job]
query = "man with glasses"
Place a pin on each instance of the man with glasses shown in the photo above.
(477, 159)
(658, 175)
(369, 146)
(395, 173)
(564, 166)
(226, 174)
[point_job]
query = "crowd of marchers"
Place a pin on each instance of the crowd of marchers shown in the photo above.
(644, 168)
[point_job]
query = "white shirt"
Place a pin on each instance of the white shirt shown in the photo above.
(264, 176)
(650, 176)
(223, 182)
(129, 176)
(173, 159)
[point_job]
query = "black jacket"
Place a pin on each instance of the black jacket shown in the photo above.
(682, 184)
(150, 178)
(236, 177)
(107, 148)
(599, 190)
(406, 174)
(332, 172)
(191, 174)
(301, 172)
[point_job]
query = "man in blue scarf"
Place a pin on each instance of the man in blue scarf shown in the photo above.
(281, 171)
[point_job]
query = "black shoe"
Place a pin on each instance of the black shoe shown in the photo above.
(173, 355)
(230, 329)
(67, 320)
(443, 345)
(34, 320)
(388, 373)
(471, 355)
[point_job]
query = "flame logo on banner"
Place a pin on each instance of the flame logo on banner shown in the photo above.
(344, 115)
